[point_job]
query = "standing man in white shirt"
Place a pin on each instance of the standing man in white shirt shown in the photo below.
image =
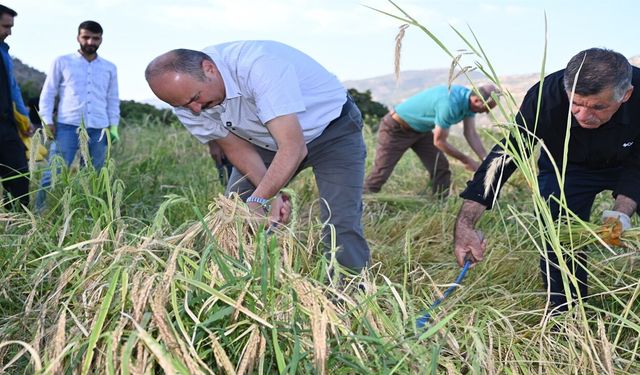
(273, 111)
(86, 86)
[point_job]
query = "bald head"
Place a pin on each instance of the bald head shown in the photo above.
(186, 78)
(183, 61)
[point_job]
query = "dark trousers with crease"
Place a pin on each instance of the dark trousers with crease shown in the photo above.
(581, 187)
(14, 172)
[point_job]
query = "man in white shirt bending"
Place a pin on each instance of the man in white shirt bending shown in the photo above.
(273, 111)
(86, 86)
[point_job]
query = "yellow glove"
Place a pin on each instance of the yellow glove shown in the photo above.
(24, 132)
(613, 224)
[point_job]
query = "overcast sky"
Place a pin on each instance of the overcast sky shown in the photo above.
(351, 40)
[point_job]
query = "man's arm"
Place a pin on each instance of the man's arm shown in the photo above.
(48, 95)
(625, 205)
(243, 156)
(216, 151)
(440, 136)
(292, 149)
(469, 243)
(472, 137)
(113, 99)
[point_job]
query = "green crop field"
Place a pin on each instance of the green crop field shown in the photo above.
(144, 268)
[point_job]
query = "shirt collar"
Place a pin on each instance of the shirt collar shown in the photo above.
(230, 86)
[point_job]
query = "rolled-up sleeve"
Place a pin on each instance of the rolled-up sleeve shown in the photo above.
(203, 126)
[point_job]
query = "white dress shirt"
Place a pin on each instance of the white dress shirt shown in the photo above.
(264, 80)
(87, 91)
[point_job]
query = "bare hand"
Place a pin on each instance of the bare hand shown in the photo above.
(469, 244)
(216, 152)
(280, 209)
(52, 130)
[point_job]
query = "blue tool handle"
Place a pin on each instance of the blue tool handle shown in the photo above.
(423, 320)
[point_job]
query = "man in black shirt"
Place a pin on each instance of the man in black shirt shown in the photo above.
(13, 160)
(603, 153)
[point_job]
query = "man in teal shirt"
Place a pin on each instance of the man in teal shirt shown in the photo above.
(422, 123)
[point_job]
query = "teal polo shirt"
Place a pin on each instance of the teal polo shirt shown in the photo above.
(436, 106)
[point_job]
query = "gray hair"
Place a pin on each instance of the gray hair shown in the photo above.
(600, 69)
(485, 92)
(181, 60)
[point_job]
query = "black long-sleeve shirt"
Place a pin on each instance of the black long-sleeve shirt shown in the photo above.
(613, 144)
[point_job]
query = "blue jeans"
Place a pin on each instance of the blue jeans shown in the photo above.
(337, 157)
(66, 145)
(581, 187)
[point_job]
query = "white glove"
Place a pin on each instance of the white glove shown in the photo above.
(624, 219)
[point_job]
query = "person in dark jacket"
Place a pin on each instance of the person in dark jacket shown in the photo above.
(603, 153)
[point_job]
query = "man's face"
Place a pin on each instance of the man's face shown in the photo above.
(89, 42)
(477, 105)
(591, 111)
(184, 90)
(6, 24)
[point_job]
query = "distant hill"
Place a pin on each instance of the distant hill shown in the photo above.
(25, 73)
(29, 79)
(386, 90)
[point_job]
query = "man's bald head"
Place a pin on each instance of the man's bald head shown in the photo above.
(183, 61)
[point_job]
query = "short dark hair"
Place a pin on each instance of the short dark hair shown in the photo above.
(7, 10)
(599, 69)
(92, 26)
(180, 60)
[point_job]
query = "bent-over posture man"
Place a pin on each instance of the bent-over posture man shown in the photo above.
(603, 154)
(422, 123)
(273, 111)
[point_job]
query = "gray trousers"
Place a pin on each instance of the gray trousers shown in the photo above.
(337, 157)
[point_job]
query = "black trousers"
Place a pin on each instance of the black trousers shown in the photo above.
(14, 172)
(581, 186)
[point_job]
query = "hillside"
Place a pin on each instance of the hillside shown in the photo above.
(386, 90)
(25, 73)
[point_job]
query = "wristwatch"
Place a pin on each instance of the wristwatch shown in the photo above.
(264, 202)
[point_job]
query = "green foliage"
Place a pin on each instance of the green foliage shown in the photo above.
(133, 113)
(30, 90)
(372, 111)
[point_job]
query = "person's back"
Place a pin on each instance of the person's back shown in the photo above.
(441, 105)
